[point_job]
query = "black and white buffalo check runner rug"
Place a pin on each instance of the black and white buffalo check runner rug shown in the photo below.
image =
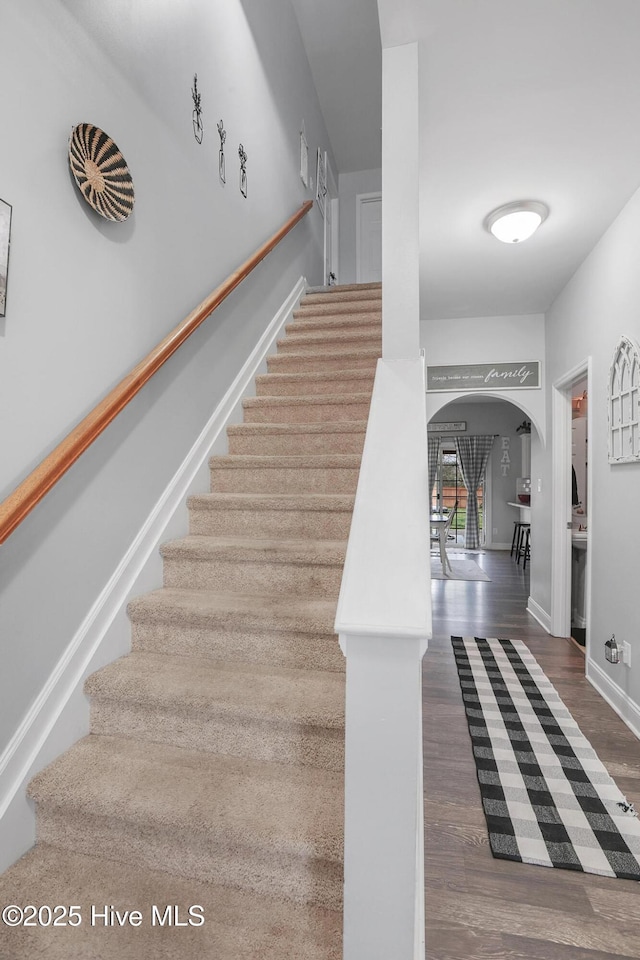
(547, 798)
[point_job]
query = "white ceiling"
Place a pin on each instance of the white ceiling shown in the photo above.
(342, 40)
(519, 99)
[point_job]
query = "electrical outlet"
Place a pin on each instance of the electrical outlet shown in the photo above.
(495, 531)
(626, 653)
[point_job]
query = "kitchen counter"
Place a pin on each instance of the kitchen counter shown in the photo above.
(524, 508)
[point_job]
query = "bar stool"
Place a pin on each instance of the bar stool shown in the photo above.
(517, 533)
(527, 549)
(523, 548)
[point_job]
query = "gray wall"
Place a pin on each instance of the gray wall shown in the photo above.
(88, 298)
(599, 304)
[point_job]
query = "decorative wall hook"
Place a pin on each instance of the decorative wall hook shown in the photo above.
(5, 246)
(223, 137)
(304, 157)
(196, 114)
(243, 170)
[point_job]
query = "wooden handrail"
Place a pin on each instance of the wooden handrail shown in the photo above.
(33, 488)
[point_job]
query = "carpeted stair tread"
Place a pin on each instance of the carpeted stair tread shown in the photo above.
(291, 429)
(239, 924)
(312, 473)
(211, 608)
(314, 408)
(330, 359)
(323, 337)
(336, 306)
(326, 461)
(272, 501)
(244, 691)
(341, 436)
(309, 383)
(290, 631)
(311, 400)
(251, 565)
(337, 289)
(329, 552)
(310, 322)
(313, 515)
(327, 342)
(282, 808)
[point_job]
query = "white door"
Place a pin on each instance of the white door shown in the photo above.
(369, 238)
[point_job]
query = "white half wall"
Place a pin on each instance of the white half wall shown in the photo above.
(384, 622)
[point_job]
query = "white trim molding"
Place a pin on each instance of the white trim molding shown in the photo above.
(561, 501)
(626, 708)
(60, 714)
(540, 614)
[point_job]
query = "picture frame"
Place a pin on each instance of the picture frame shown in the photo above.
(5, 246)
(450, 426)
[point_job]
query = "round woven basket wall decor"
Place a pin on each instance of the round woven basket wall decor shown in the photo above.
(101, 172)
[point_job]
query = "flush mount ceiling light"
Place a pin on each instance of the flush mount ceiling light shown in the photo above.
(515, 222)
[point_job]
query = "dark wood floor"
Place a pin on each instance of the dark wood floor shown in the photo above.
(477, 907)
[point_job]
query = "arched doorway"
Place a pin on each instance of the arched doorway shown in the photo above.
(510, 424)
(508, 597)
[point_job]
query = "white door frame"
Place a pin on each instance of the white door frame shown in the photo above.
(362, 198)
(561, 502)
(335, 233)
(331, 242)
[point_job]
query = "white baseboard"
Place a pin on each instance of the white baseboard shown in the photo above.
(539, 614)
(626, 708)
(60, 714)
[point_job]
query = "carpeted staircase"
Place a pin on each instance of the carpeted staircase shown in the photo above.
(213, 774)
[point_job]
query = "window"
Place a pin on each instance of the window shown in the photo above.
(449, 487)
(624, 403)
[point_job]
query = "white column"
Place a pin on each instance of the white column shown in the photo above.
(400, 204)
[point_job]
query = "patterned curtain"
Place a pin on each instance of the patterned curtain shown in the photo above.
(433, 450)
(473, 453)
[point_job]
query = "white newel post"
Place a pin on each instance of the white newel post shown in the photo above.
(384, 621)
(384, 840)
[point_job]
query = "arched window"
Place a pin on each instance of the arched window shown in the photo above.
(624, 403)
